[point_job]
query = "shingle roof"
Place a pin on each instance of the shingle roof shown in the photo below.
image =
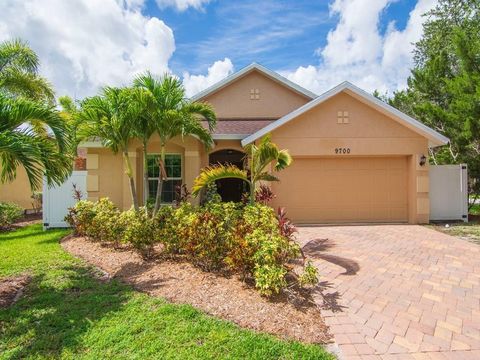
(239, 126)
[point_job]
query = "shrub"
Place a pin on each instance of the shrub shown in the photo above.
(9, 213)
(271, 250)
(104, 225)
(137, 228)
(202, 234)
(309, 276)
(37, 201)
(80, 217)
(211, 194)
(231, 237)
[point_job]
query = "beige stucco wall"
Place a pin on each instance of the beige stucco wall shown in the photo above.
(18, 191)
(106, 171)
(317, 133)
(275, 100)
(110, 174)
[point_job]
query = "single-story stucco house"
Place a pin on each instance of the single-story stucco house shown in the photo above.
(355, 158)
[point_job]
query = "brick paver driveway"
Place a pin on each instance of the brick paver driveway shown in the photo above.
(397, 291)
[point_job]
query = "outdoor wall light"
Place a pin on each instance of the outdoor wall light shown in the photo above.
(423, 160)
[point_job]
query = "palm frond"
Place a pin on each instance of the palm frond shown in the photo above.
(265, 176)
(26, 84)
(217, 172)
(17, 54)
(284, 160)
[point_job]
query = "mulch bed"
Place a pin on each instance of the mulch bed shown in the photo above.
(11, 289)
(28, 219)
(225, 297)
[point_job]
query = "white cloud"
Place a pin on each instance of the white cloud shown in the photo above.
(182, 5)
(218, 71)
(356, 50)
(84, 45)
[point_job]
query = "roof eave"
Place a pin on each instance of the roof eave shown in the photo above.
(253, 66)
(435, 139)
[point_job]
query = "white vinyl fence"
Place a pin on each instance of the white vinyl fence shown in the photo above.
(448, 192)
(57, 199)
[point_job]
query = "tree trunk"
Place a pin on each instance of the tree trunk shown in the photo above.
(129, 172)
(161, 177)
(146, 189)
(252, 182)
(252, 193)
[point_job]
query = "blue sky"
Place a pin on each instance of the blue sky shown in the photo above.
(281, 35)
(86, 44)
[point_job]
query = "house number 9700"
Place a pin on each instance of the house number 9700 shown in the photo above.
(342, 150)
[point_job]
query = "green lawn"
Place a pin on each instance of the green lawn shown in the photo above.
(67, 313)
(475, 209)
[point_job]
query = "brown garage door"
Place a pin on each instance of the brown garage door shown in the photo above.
(326, 190)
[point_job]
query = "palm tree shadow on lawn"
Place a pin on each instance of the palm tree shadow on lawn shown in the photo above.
(59, 310)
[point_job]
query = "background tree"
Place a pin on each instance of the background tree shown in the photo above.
(259, 158)
(112, 116)
(444, 87)
(174, 115)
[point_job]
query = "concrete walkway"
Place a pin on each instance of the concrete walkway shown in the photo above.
(397, 291)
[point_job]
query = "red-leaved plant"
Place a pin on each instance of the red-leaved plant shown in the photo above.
(182, 194)
(264, 194)
(285, 225)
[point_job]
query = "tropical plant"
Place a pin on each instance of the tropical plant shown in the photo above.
(79, 130)
(145, 127)
(19, 73)
(22, 145)
(172, 115)
(112, 117)
(264, 194)
(259, 158)
(285, 225)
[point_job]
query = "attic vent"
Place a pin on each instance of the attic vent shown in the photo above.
(342, 117)
(254, 94)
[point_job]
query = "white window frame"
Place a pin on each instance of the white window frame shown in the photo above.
(168, 178)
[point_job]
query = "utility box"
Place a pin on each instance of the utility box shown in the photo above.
(57, 199)
(448, 192)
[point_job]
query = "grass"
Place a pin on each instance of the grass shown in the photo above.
(475, 209)
(467, 231)
(67, 313)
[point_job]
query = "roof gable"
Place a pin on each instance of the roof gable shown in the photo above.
(248, 69)
(435, 139)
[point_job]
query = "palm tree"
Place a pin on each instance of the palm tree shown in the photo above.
(258, 159)
(19, 73)
(145, 127)
(112, 117)
(79, 130)
(174, 115)
(21, 145)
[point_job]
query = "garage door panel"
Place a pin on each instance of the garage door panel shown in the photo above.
(344, 190)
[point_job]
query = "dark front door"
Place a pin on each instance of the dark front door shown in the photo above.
(229, 189)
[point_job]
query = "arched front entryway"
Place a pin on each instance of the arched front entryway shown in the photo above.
(229, 189)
